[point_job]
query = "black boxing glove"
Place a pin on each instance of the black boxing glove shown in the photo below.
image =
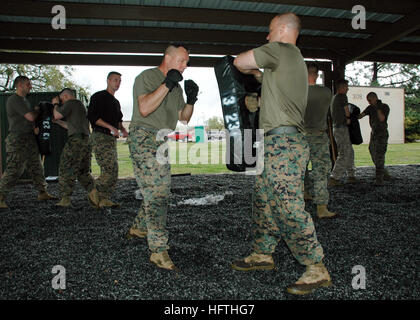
(172, 78)
(191, 90)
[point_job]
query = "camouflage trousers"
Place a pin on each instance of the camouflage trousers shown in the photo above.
(377, 148)
(75, 164)
(319, 156)
(278, 205)
(345, 159)
(104, 147)
(154, 180)
(22, 152)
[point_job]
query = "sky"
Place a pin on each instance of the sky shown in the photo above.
(208, 104)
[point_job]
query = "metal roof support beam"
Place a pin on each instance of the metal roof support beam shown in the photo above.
(94, 59)
(400, 7)
(148, 34)
(396, 31)
(108, 59)
(172, 14)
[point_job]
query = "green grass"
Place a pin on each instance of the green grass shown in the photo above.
(181, 153)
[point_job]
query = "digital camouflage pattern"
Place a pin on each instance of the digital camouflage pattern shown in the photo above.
(104, 147)
(75, 164)
(377, 147)
(345, 159)
(278, 204)
(22, 152)
(154, 181)
(319, 155)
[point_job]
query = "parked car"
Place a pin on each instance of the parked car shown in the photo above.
(180, 136)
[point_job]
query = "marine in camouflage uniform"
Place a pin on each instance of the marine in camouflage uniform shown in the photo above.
(21, 146)
(315, 121)
(104, 114)
(75, 159)
(158, 104)
(340, 114)
(278, 204)
(378, 113)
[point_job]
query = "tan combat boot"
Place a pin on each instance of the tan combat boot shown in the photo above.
(3, 204)
(93, 198)
(255, 261)
(334, 182)
(162, 260)
(136, 233)
(307, 195)
(44, 195)
(315, 276)
(64, 202)
(103, 203)
(323, 212)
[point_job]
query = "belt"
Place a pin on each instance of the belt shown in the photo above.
(102, 130)
(150, 130)
(281, 130)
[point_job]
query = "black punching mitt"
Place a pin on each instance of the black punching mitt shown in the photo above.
(191, 90)
(172, 78)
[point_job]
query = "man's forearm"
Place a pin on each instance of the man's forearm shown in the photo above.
(103, 124)
(186, 113)
(62, 123)
(245, 62)
(148, 103)
(57, 115)
(346, 111)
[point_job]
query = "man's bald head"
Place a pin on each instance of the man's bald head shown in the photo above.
(290, 20)
(284, 28)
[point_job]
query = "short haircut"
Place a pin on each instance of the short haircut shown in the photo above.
(113, 72)
(19, 80)
(372, 95)
(341, 83)
(68, 91)
(313, 68)
(173, 46)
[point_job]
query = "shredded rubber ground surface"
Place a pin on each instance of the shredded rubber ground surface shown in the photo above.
(378, 228)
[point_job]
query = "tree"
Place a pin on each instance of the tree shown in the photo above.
(377, 74)
(215, 123)
(405, 76)
(44, 78)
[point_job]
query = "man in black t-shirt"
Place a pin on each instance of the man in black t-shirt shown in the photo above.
(378, 115)
(104, 114)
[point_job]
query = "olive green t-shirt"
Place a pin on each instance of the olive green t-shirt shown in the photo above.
(16, 108)
(166, 115)
(377, 126)
(75, 116)
(338, 114)
(284, 90)
(319, 99)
